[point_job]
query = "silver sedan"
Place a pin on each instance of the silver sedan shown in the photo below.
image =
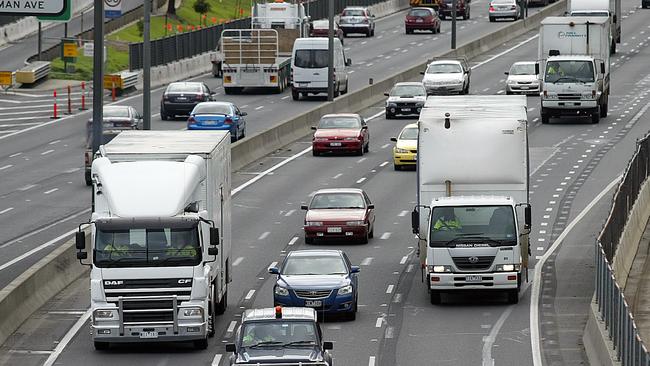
(504, 9)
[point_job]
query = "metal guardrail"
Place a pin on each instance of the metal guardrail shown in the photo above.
(612, 306)
(29, 74)
(122, 80)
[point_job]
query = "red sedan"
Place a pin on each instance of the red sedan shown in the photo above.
(422, 19)
(346, 132)
(321, 28)
(339, 213)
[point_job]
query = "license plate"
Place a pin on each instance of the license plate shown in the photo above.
(148, 335)
(209, 122)
(524, 87)
(313, 303)
(335, 144)
(419, 20)
(333, 229)
(303, 83)
(473, 278)
(181, 98)
(406, 109)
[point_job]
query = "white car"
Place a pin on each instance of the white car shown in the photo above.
(504, 9)
(447, 77)
(522, 78)
(405, 99)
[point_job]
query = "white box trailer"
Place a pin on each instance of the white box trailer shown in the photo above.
(160, 236)
(472, 214)
(610, 9)
(574, 63)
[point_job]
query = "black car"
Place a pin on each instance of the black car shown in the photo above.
(462, 9)
(181, 98)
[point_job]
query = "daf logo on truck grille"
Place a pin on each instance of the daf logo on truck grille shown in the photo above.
(113, 283)
(473, 260)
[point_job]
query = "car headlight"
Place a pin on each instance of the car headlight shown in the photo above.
(345, 290)
(281, 291)
(508, 267)
(105, 314)
(439, 269)
(356, 223)
(314, 223)
(400, 151)
(320, 139)
(391, 105)
(419, 104)
(193, 312)
(510, 82)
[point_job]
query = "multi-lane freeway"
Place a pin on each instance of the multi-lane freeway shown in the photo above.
(573, 162)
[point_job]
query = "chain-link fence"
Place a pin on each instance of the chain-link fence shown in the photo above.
(185, 45)
(613, 307)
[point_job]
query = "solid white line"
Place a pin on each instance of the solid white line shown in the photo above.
(385, 236)
(290, 212)
(534, 299)
(231, 327)
(37, 249)
(385, 146)
(14, 155)
(216, 360)
(249, 295)
(29, 186)
(54, 142)
(258, 108)
(6, 210)
(375, 115)
(361, 180)
(504, 52)
(293, 240)
(238, 261)
(264, 235)
(67, 338)
(361, 160)
(51, 190)
(390, 289)
(371, 361)
(20, 238)
(6, 167)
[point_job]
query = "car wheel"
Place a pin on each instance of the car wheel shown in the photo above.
(595, 117)
(163, 115)
(435, 297)
(513, 296)
(243, 132)
(438, 30)
(508, 92)
(409, 31)
(233, 137)
(101, 346)
(309, 240)
(364, 239)
(397, 167)
(371, 234)
(367, 148)
(352, 315)
(315, 153)
(360, 151)
(346, 87)
(389, 115)
(294, 94)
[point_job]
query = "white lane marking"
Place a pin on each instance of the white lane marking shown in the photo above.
(6, 167)
(14, 155)
(273, 265)
(361, 180)
(29, 186)
(290, 212)
(264, 235)
(385, 146)
(403, 213)
(535, 295)
(69, 312)
(375, 115)
(337, 176)
(383, 164)
(366, 261)
(6, 210)
(250, 294)
(404, 259)
(216, 360)
(379, 322)
(500, 92)
(47, 152)
(20, 238)
(385, 235)
(237, 261)
(504, 52)
(67, 338)
(285, 97)
(371, 361)
(293, 240)
(51, 190)
(28, 352)
(361, 160)
(258, 108)
(409, 268)
(54, 142)
(231, 326)
(389, 290)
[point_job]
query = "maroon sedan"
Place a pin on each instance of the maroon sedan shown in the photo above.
(422, 19)
(339, 213)
(321, 28)
(346, 132)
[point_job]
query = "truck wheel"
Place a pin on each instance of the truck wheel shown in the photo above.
(212, 314)
(221, 306)
(89, 181)
(545, 118)
(294, 94)
(595, 117)
(513, 296)
(435, 297)
(612, 48)
(492, 19)
(201, 343)
(101, 346)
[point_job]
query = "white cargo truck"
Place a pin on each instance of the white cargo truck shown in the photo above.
(160, 237)
(260, 57)
(610, 9)
(473, 214)
(573, 62)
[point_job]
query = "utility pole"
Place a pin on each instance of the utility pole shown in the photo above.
(65, 36)
(330, 53)
(454, 3)
(146, 67)
(98, 74)
(39, 40)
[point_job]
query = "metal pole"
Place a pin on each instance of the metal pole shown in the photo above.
(330, 61)
(454, 3)
(146, 66)
(39, 41)
(82, 23)
(65, 35)
(98, 74)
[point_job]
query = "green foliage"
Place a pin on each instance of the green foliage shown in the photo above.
(201, 7)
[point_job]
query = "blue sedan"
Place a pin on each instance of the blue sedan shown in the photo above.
(320, 279)
(218, 116)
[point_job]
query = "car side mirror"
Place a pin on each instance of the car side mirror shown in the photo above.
(364, 127)
(394, 139)
(421, 72)
(214, 236)
(506, 73)
(348, 62)
(213, 251)
(314, 128)
(230, 347)
(387, 94)
(355, 269)
(243, 114)
(274, 270)
(415, 221)
(328, 345)
(536, 68)
(371, 206)
(80, 240)
(303, 207)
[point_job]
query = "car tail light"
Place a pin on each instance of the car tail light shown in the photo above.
(199, 97)
(545, 93)
(227, 121)
(513, 7)
(191, 120)
(273, 78)
(227, 79)
(165, 97)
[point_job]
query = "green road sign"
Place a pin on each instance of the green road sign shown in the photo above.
(64, 17)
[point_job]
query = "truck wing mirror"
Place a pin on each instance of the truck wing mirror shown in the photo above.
(82, 255)
(527, 216)
(213, 251)
(328, 345)
(230, 347)
(536, 68)
(80, 240)
(415, 221)
(214, 236)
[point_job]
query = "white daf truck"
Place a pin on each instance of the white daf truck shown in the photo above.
(610, 9)
(573, 62)
(160, 237)
(472, 215)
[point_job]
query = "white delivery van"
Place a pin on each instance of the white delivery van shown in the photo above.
(309, 60)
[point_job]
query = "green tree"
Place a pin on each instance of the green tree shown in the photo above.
(201, 7)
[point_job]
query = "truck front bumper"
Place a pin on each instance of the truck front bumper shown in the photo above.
(569, 107)
(148, 333)
(473, 281)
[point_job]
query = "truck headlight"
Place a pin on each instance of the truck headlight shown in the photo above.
(345, 290)
(313, 223)
(104, 314)
(193, 312)
(439, 269)
(355, 223)
(552, 96)
(508, 267)
(281, 291)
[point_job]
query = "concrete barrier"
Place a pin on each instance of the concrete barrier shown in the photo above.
(34, 287)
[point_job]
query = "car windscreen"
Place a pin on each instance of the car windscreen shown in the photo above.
(113, 112)
(503, 2)
(522, 69)
(352, 13)
(486, 225)
(184, 88)
(274, 333)
(444, 69)
(419, 13)
(409, 134)
(339, 122)
(310, 59)
(314, 265)
(337, 201)
(569, 71)
(147, 247)
(212, 109)
(408, 90)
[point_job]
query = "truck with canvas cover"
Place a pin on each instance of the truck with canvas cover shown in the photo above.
(160, 237)
(574, 62)
(473, 214)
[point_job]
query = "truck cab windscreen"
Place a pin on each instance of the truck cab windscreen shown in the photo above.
(569, 72)
(492, 225)
(147, 247)
(310, 59)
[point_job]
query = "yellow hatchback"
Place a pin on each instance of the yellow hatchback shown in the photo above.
(405, 151)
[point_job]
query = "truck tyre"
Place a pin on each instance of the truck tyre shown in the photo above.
(513, 296)
(435, 297)
(604, 108)
(89, 181)
(492, 19)
(101, 346)
(201, 344)
(211, 313)
(221, 306)
(595, 117)
(612, 48)
(294, 94)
